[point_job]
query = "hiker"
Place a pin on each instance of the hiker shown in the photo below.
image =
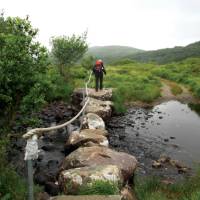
(98, 71)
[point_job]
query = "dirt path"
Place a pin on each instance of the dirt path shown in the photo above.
(185, 96)
(166, 93)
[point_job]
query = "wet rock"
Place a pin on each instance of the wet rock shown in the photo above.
(52, 188)
(156, 164)
(94, 156)
(166, 140)
(77, 139)
(164, 159)
(43, 196)
(56, 111)
(127, 193)
(71, 180)
(48, 147)
(168, 182)
(93, 121)
(183, 170)
(41, 177)
(104, 95)
(102, 108)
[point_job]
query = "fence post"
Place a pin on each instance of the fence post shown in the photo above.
(30, 179)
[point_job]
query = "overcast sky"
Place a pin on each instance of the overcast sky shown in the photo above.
(144, 24)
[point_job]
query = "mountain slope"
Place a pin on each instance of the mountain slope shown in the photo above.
(113, 53)
(163, 56)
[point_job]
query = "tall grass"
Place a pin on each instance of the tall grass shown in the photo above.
(153, 189)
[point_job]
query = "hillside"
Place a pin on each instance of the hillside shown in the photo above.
(110, 54)
(168, 55)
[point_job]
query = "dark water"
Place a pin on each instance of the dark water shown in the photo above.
(171, 128)
(181, 122)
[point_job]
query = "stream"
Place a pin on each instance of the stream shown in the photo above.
(171, 128)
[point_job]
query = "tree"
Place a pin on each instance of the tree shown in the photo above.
(88, 62)
(67, 51)
(21, 60)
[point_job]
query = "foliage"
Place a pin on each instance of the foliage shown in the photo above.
(163, 56)
(68, 50)
(124, 61)
(153, 189)
(110, 54)
(88, 62)
(12, 186)
(21, 61)
(186, 72)
(99, 187)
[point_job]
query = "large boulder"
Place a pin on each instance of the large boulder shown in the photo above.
(72, 180)
(104, 95)
(96, 155)
(93, 121)
(102, 132)
(86, 137)
(102, 108)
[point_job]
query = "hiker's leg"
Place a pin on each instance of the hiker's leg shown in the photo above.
(96, 83)
(101, 82)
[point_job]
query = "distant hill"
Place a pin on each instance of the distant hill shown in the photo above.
(113, 53)
(163, 56)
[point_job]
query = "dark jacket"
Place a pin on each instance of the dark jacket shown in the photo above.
(100, 72)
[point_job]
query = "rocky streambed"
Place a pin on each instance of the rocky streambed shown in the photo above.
(159, 138)
(70, 158)
(169, 130)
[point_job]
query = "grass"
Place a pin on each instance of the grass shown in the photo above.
(186, 72)
(152, 189)
(12, 186)
(132, 81)
(99, 187)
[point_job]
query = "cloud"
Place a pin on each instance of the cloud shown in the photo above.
(144, 24)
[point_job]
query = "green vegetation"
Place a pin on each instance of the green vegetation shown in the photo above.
(30, 78)
(131, 82)
(67, 51)
(186, 72)
(99, 187)
(163, 56)
(12, 186)
(154, 189)
(28, 81)
(110, 54)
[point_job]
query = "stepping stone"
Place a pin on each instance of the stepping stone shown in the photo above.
(93, 121)
(102, 108)
(104, 95)
(98, 155)
(71, 180)
(86, 137)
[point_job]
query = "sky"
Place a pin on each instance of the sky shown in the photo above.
(143, 24)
